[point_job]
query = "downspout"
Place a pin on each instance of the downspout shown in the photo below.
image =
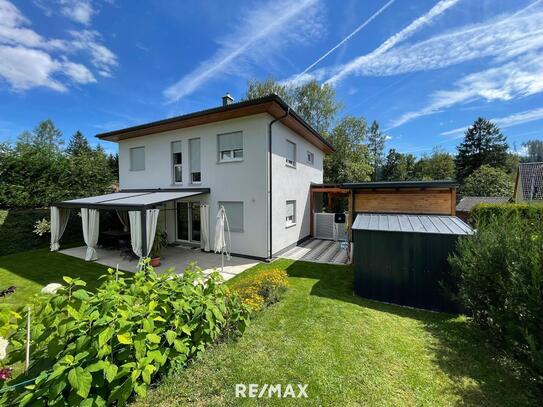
(270, 224)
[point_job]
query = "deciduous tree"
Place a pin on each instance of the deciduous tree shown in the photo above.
(487, 181)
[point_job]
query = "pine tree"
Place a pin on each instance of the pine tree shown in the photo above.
(484, 144)
(376, 146)
(78, 144)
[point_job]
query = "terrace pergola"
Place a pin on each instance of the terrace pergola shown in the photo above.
(140, 205)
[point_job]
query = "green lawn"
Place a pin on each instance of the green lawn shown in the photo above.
(350, 351)
(30, 271)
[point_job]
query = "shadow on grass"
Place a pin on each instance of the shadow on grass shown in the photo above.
(464, 352)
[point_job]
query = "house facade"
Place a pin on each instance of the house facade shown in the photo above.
(257, 158)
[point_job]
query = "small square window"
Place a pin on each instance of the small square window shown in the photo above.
(310, 157)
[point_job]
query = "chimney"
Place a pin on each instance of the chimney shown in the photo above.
(227, 99)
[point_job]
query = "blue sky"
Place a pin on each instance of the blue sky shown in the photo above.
(424, 69)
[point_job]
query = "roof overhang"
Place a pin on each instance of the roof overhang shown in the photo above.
(135, 200)
(272, 104)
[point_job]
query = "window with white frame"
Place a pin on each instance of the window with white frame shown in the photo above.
(290, 213)
(230, 146)
(194, 152)
(177, 162)
(137, 159)
(291, 154)
(310, 157)
(234, 214)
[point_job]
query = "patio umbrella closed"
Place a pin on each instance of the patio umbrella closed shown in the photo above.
(221, 244)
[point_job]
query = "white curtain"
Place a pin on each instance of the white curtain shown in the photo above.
(135, 230)
(204, 226)
(91, 224)
(59, 220)
(123, 217)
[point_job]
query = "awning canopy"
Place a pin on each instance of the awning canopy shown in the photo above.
(437, 224)
(132, 200)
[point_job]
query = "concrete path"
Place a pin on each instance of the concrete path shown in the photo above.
(319, 251)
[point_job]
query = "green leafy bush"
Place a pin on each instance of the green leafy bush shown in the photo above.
(484, 213)
(101, 348)
(500, 271)
(262, 289)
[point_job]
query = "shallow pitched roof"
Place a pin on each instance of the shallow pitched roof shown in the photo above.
(271, 104)
(531, 180)
(390, 222)
(401, 184)
(467, 203)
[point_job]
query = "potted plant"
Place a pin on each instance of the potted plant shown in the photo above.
(161, 241)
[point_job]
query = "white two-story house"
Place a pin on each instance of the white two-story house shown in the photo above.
(256, 158)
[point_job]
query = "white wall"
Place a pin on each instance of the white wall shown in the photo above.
(235, 181)
(292, 184)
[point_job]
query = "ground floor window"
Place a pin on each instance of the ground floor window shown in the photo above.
(234, 213)
(291, 213)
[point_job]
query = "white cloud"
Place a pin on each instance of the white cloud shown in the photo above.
(514, 41)
(80, 11)
(28, 60)
(358, 64)
(256, 38)
(503, 122)
(503, 37)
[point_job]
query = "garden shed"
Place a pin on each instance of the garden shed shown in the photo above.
(402, 258)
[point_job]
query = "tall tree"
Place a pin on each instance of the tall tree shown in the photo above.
(45, 135)
(314, 102)
(398, 166)
(534, 150)
(484, 144)
(376, 146)
(257, 89)
(78, 144)
(350, 161)
(487, 181)
(437, 166)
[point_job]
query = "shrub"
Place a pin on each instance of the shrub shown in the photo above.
(102, 347)
(500, 271)
(262, 289)
(484, 213)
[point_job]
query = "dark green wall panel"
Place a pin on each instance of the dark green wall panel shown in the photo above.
(404, 268)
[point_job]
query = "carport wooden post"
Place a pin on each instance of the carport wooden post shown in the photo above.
(143, 233)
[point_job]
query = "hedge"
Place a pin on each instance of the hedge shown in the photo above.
(484, 213)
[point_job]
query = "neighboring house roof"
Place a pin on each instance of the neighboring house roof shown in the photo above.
(401, 184)
(467, 203)
(271, 104)
(392, 222)
(530, 181)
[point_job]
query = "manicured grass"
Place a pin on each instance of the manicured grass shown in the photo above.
(350, 351)
(30, 271)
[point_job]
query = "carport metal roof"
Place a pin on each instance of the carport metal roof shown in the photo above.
(132, 199)
(437, 224)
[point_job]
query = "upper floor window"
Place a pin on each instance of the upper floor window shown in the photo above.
(291, 213)
(291, 154)
(137, 159)
(177, 162)
(310, 157)
(231, 146)
(194, 152)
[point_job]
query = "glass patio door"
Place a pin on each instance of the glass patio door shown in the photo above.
(188, 221)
